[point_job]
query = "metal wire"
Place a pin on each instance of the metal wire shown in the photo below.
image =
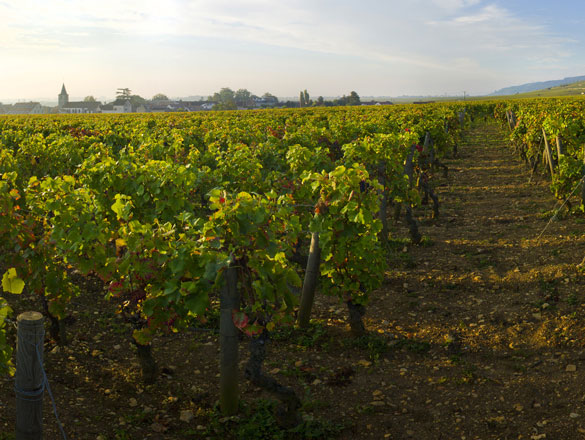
(558, 210)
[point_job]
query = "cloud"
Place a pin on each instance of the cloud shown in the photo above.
(457, 39)
(452, 5)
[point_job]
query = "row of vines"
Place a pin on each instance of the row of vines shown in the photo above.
(549, 133)
(172, 212)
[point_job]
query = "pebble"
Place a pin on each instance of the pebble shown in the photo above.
(133, 402)
(186, 416)
(157, 427)
(574, 415)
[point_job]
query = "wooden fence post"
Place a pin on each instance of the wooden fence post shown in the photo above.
(29, 379)
(228, 343)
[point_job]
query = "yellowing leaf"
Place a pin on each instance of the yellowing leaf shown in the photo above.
(11, 283)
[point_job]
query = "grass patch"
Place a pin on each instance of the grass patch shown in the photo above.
(375, 345)
(259, 422)
(419, 347)
(313, 336)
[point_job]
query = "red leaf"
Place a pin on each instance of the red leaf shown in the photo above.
(240, 319)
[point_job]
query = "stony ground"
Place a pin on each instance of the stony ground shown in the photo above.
(478, 333)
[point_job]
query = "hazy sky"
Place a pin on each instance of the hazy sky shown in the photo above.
(329, 47)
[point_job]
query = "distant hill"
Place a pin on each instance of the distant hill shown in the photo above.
(572, 89)
(531, 87)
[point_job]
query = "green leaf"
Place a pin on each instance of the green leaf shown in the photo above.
(11, 283)
(143, 336)
(122, 207)
(197, 303)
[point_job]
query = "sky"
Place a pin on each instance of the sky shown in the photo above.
(329, 47)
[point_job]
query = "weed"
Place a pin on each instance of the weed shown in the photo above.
(312, 336)
(364, 409)
(419, 347)
(122, 434)
(375, 345)
(258, 422)
(482, 263)
(407, 260)
(426, 242)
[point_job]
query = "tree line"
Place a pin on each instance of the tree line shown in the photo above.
(228, 99)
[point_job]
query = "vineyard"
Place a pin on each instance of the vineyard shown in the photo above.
(392, 272)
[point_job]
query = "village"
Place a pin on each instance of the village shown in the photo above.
(124, 103)
(225, 99)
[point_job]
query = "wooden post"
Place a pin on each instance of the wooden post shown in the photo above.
(228, 343)
(560, 147)
(461, 115)
(513, 120)
(309, 285)
(412, 224)
(383, 212)
(29, 379)
(548, 154)
(583, 184)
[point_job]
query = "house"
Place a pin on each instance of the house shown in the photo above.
(377, 103)
(24, 108)
(81, 107)
(118, 106)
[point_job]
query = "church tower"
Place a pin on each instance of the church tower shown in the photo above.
(63, 97)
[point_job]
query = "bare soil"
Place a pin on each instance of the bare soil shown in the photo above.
(477, 333)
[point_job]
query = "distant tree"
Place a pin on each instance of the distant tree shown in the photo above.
(269, 97)
(320, 101)
(89, 99)
(124, 94)
(306, 98)
(136, 101)
(244, 98)
(353, 99)
(160, 97)
(225, 99)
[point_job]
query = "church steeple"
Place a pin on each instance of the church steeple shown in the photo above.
(63, 97)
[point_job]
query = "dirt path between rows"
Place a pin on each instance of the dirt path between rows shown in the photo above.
(502, 312)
